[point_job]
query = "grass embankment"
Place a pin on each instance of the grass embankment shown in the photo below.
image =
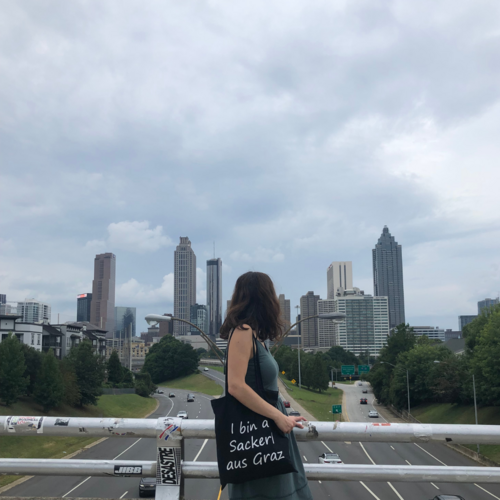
(196, 382)
(319, 405)
(458, 414)
(215, 367)
(122, 406)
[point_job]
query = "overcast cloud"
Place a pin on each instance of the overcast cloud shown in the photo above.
(288, 132)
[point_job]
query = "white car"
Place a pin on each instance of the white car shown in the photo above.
(182, 414)
(329, 458)
(373, 414)
(205, 369)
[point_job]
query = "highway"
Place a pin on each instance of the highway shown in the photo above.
(204, 450)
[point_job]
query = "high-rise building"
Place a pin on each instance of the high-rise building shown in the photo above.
(83, 303)
(33, 311)
(465, 320)
(388, 276)
(166, 327)
(338, 274)
(487, 304)
(200, 316)
(214, 296)
(125, 321)
(3, 298)
(102, 308)
(365, 328)
(184, 284)
(285, 311)
(309, 328)
(432, 332)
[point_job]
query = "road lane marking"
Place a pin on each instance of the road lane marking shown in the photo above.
(65, 495)
(395, 491)
(486, 491)
(127, 449)
(319, 482)
(435, 486)
(305, 458)
(202, 446)
(347, 442)
(430, 454)
(392, 447)
(407, 462)
(375, 496)
(326, 447)
(371, 460)
(124, 494)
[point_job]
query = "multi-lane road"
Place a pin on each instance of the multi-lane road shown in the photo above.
(204, 450)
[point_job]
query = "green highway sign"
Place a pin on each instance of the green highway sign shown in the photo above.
(347, 370)
(336, 408)
(363, 369)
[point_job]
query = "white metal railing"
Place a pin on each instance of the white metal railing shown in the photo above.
(170, 469)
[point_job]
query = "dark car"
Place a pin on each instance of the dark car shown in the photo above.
(147, 487)
(363, 401)
(448, 497)
(190, 398)
(365, 391)
(171, 395)
(294, 413)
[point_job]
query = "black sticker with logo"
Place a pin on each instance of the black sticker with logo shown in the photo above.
(167, 462)
(128, 470)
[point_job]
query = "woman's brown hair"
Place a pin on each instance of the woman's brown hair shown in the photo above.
(254, 303)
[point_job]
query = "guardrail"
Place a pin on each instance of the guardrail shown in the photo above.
(170, 469)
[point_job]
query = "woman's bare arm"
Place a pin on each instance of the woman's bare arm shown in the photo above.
(239, 353)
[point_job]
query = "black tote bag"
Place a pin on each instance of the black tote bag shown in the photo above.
(249, 445)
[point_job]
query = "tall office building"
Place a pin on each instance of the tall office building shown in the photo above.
(465, 320)
(200, 316)
(338, 274)
(309, 328)
(214, 296)
(388, 276)
(33, 311)
(3, 298)
(102, 308)
(486, 304)
(125, 321)
(184, 284)
(285, 311)
(83, 303)
(365, 328)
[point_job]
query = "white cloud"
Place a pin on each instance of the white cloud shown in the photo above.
(134, 294)
(260, 254)
(133, 236)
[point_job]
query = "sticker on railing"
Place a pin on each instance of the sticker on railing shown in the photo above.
(130, 470)
(24, 424)
(168, 465)
(168, 431)
(63, 422)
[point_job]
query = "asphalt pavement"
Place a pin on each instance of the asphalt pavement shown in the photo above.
(204, 450)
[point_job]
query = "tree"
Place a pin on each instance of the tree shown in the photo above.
(33, 361)
(115, 370)
(49, 385)
(13, 383)
(170, 358)
(71, 390)
(89, 371)
(128, 378)
(318, 372)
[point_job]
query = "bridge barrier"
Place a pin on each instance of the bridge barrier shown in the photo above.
(170, 469)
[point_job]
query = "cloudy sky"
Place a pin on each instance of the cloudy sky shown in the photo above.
(288, 133)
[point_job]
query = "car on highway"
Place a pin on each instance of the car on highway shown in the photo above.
(147, 487)
(286, 404)
(365, 391)
(448, 497)
(159, 391)
(171, 395)
(205, 369)
(190, 398)
(293, 413)
(329, 458)
(373, 414)
(182, 414)
(363, 401)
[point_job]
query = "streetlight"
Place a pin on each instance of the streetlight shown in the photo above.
(158, 318)
(334, 316)
(407, 383)
(474, 390)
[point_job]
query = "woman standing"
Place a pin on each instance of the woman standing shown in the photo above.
(255, 312)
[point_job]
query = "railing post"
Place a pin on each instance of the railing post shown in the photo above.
(170, 453)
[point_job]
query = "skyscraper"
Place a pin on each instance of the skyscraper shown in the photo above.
(214, 295)
(285, 311)
(486, 304)
(338, 274)
(184, 284)
(83, 304)
(102, 308)
(200, 316)
(388, 276)
(125, 320)
(309, 328)
(3, 298)
(33, 311)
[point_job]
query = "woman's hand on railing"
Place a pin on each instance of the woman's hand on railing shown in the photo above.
(286, 424)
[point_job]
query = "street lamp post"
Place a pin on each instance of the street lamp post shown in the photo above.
(407, 383)
(158, 318)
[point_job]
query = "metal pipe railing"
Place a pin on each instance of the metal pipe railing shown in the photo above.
(209, 470)
(204, 429)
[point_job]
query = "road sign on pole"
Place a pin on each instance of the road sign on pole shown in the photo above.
(336, 408)
(294, 381)
(363, 369)
(347, 370)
